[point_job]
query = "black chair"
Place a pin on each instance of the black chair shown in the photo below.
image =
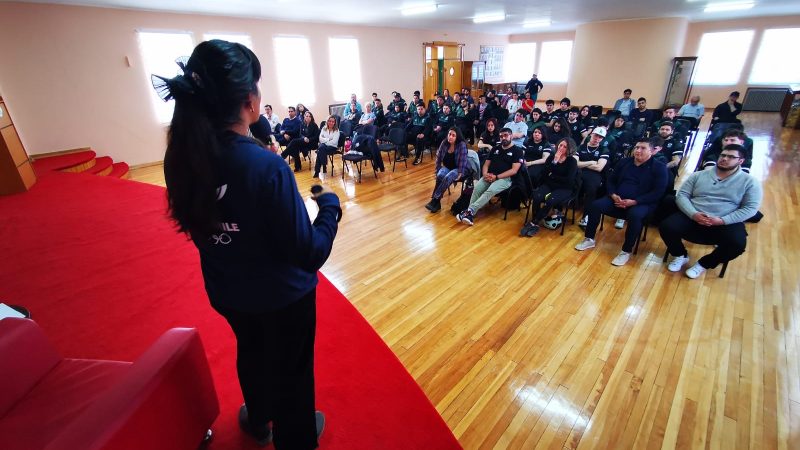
(356, 159)
(521, 182)
(397, 138)
(595, 111)
(571, 202)
(724, 265)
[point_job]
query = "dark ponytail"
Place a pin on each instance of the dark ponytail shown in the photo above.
(217, 80)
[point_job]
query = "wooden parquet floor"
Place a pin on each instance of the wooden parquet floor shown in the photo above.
(525, 343)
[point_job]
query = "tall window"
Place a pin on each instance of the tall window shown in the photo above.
(295, 74)
(345, 68)
(519, 61)
(243, 39)
(159, 52)
(554, 61)
(775, 64)
(721, 57)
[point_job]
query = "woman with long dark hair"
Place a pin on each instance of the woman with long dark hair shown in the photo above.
(560, 130)
(558, 182)
(307, 141)
(259, 252)
(451, 162)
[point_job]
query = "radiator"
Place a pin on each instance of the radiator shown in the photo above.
(764, 99)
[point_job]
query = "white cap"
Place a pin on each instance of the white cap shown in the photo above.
(600, 131)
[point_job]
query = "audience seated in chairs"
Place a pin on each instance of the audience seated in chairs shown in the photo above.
(465, 115)
(641, 118)
(559, 130)
(537, 150)
(575, 126)
(443, 122)
(672, 152)
(307, 141)
(290, 128)
(274, 120)
(262, 132)
(328, 145)
(490, 138)
(549, 114)
(519, 130)
(625, 105)
(623, 139)
(713, 207)
(728, 111)
(557, 184)
(585, 118)
(733, 135)
(634, 189)
(451, 163)
(367, 118)
(352, 107)
(693, 109)
(535, 120)
(503, 163)
(418, 130)
(592, 159)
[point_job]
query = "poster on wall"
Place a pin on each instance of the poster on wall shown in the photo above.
(493, 55)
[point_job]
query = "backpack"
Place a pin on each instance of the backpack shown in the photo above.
(463, 200)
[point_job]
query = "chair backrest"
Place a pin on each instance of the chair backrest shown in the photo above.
(595, 111)
(397, 136)
(370, 130)
(346, 128)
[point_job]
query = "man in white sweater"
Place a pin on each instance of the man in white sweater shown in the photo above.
(713, 206)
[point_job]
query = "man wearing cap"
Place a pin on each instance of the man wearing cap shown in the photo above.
(634, 187)
(534, 86)
(592, 158)
(726, 112)
(713, 206)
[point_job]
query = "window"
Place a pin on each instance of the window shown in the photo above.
(554, 61)
(345, 68)
(237, 38)
(159, 52)
(295, 75)
(519, 61)
(774, 65)
(721, 57)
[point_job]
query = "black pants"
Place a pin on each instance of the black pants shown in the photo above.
(323, 152)
(730, 240)
(275, 362)
(591, 183)
(634, 216)
(419, 144)
(556, 197)
(295, 147)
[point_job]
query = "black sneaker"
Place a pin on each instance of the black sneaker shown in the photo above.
(262, 434)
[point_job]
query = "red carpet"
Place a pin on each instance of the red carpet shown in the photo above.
(61, 162)
(103, 272)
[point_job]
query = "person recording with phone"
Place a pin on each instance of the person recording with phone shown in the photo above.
(259, 251)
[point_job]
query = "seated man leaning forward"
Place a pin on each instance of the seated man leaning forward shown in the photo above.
(503, 163)
(635, 187)
(713, 206)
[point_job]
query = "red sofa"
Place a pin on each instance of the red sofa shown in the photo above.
(163, 400)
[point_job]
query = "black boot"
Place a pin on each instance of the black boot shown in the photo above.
(430, 204)
(437, 205)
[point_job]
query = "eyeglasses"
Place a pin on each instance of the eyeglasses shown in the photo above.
(728, 156)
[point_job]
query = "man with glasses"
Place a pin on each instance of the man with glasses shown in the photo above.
(502, 164)
(290, 128)
(713, 206)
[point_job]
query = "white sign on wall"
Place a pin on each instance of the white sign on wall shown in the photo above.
(493, 55)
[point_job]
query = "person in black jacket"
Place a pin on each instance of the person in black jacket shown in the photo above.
(533, 86)
(308, 140)
(728, 111)
(634, 189)
(558, 182)
(418, 131)
(259, 264)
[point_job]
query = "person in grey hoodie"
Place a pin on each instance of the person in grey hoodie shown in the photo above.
(713, 206)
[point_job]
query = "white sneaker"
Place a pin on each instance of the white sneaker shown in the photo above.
(619, 224)
(585, 244)
(677, 263)
(695, 271)
(583, 222)
(621, 259)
